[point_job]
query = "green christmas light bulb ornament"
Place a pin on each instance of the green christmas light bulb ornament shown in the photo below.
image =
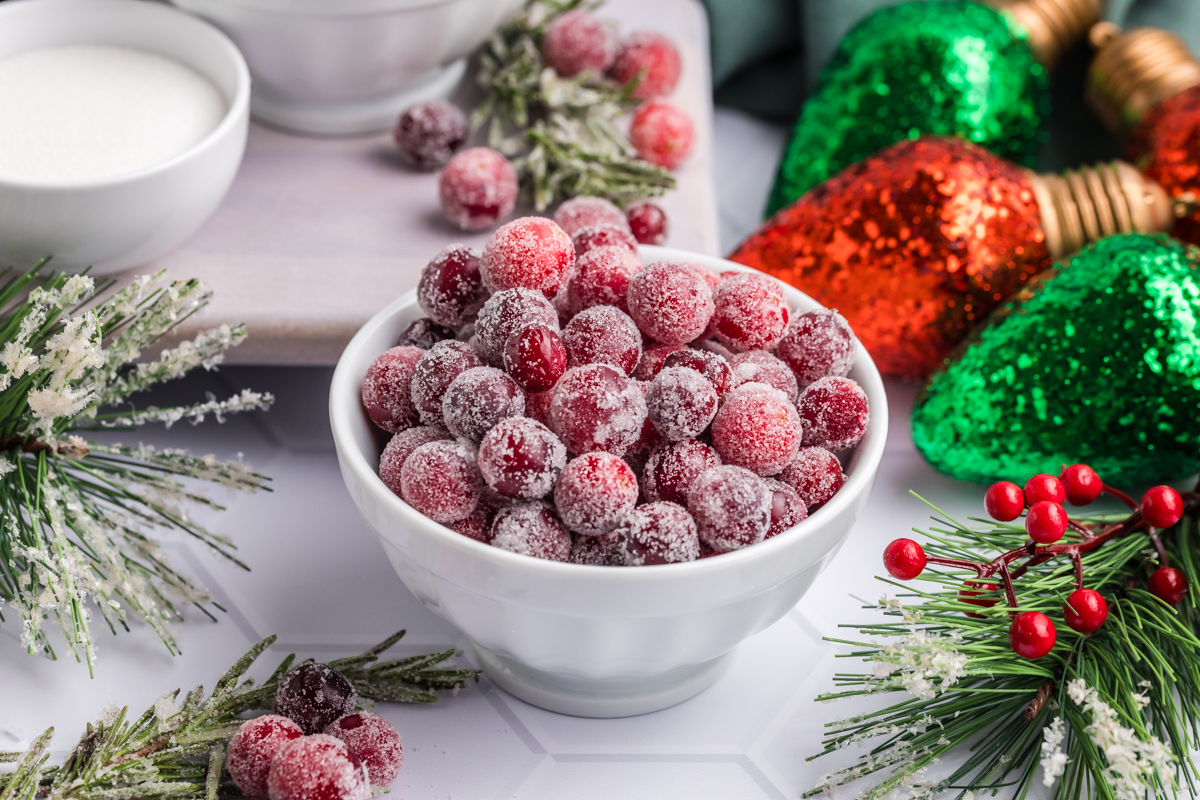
(1097, 360)
(950, 67)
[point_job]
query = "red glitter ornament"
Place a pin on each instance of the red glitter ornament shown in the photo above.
(1165, 146)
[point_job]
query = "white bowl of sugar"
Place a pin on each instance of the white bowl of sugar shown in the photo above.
(124, 123)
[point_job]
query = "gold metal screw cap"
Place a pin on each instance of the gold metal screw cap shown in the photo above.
(1135, 70)
(1052, 26)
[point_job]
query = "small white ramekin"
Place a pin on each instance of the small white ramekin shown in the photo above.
(110, 224)
(584, 640)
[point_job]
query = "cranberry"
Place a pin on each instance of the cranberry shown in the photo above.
(598, 551)
(759, 366)
(251, 749)
(751, 312)
(1161, 506)
(1081, 483)
(429, 133)
(1004, 501)
(834, 412)
(673, 468)
(652, 359)
(662, 133)
(651, 58)
(639, 452)
(904, 559)
(603, 335)
(976, 593)
(681, 403)
(602, 278)
(451, 289)
(1032, 635)
(1085, 610)
(509, 312)
(434, 373)
(478, 188)
(313, 695)
(1168, 585)
(731, 506)
(441, 480)
(478, 399)
(711, 365)
(659, 533)
(817, 345)
(579, 213)
(577, 42)
(787, 509)
(386, 393)
(648, 222)
(521, 458)
(757, 428)
(1046, 522)
(424, 333)
(535, 358)
(317, 767)
(1044, 487)
(477, 525)
(371, 741)
(815, 474)
(594, 493)
(595, 407)
(595, 237)
(399, 448)
(531, 529)
(527, 253)
(537, 406)
(671, 303)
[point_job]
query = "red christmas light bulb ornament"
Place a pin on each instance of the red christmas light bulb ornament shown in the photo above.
(1004, 501)
(1085, 611)
(904, 559)
(1046, 522)
(1082, 484)
(1168, 585)
(1032, 635)
(1044, 487)
(1161, 506)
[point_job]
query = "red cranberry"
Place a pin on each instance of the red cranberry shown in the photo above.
(1168, 585)
(659, 533)
(594, 493)
(434, 373)
(1081, 483)
(509, 312)
(711, 365)
(521, 458)
(671, 303)
(834, 412)
(531, 529)
(602, 278)
(441, 480)
(1046, 522)
(577, 42)
(673, 468)
(399, 448)
(815, 474)
(817, 345)
(478, 188)
(477, 525)
(1032, 635)
(651, 58)
(751, 312)
(595, 407)
(317, 767)
(759, 366)
(731, 506)
(535, 358)
(251, 749)
(537, 406)
(787, 509)
(662, 133)
(681, 403)
(904, 559)
(1004, 501)
(386, 393)
(371, 741)
(603, 335)
(639, 453)
(1161, 506)
(978, 593)
(424, 333)
(1044, 487)
(451, 289)
(595, 237)
(1085, 611)
(478, 399)
(429, 133)
(598, 551)
(652, 359)
(648, 222)
(313, 695)
(527, 253)
(579, 213)
(757, 428)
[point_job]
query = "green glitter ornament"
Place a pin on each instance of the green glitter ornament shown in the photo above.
(1095, 361)
(950, 68)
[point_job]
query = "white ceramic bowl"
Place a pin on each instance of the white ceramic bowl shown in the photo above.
(584, 640)
(338, 67)
(114, 223)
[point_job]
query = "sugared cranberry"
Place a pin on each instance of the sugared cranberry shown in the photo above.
(1004, 501)
(578, 42)
(1085, 610)
(595, 407)
(313, 695)
(578, 213)
(451, 289)
(430, 133)
(434, 373)
(506, 313)
(440, 480)
(531, 529)
(372, 742)
(521, 458)
(652, 360)
(527, 253)
(424, 333)
(662, 133)
(478, 399)
(759, 366)
(671, 303)
(681, 403)
(594, 237)
(1161, 506)
(1032, 635)
(904, 559)
(1081, 483)
(603, 335)
(386, 392)
(817, 345)
(834, 412)
(659, 533)
(535, 358)
(711, 365)
(731, 506)
(594, 493)
(477, 525)
(650, 57)
(1046, 522)
(673, 468)
(598, 551)
(787, 509)
(478, 188)
(400, 447)
(757, 428)
(317, 767)
(750, 312)
(602, 278)
(1044, 487)
(815, 474)
(647, 221)
(250, 750)
(1168, 585)
(639, 452)
(537, 406)
(978, 593)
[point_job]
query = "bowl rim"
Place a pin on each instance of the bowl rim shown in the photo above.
(344, 402)
(238, 106)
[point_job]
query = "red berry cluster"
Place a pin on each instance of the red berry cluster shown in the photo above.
(1032, 634)
(315, 745)
(603, 412)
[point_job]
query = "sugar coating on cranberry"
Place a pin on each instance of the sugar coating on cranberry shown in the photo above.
(750, 312)
(787, 509)
(429, 133)
(647, 222)
(759, 366)
(317, 767)
(594, 237)
(816, 345)
(712, 366)
(521, 458)
(639, 452)
(815, 474)
(527, 253)
(731, 506)
(372, 742)
(681, 403)
(834, 412)
(595, 407)
(672, 469)
(594, 493)
(671, 303)
(603, 335)
(400, 447)
(602, 278)
(441, 480)
(659, 533)
(662, 133)
(651, 56)
(314, 695)
(508, 312)
(477, 525)
(578, 42)
(478, 399)
(757, 428)
(584, 212)
(451, 289)
(535, 358)
(653, 356)
(531, 529)
(598, 551)
(386, 391)
(424, 333)
(248, 756)
(434, 373)
(477, 188)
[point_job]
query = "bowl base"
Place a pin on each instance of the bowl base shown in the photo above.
(599, 698)
(358, 118)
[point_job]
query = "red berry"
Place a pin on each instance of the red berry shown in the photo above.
(478, 188)
(1168, 585)
(527, 253)
(974, 589)
(399, 448)
(441, 480)
(653, 356)
(647, 221)
(595, 407)
(658, 533)
(521, 458)
(1085, 610)
(585, 212)
(731, 506)
(681, 403)
(594, 493)
(251, 749)
(429, 133)
(578, 42)
(787, 509)
(317, 767)
(434, 373)
(1004, 501)
(451, 289)
(602, 278)
(817, 345)
(1161, 506)
(598, 551)
(1032, 635)
(314, 695)
(834, 412)
(1044, 487)
(711, 365)
(386, 389)
(531, 529)
(1046, 522)
(651, 56)
(478, 399)
(904, 559)
(1081, 483)
(477, 526)
(673, 468)
(424, 333)
(662, 133)
(509, 312)
(535, 358)
(594, 237)
(371, 741)
(671, 303)
(537, 406)
(603, 335)
(815, 474)
(759, 366)
(757, 428)
(751, 312)
(639, 452)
